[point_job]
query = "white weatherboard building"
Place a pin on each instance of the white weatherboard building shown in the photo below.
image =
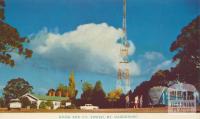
(182, 98)
(56, 100)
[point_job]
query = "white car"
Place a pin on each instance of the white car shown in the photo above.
(88, 107)
(15, 104)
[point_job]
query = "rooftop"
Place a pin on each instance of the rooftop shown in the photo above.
(50, 98)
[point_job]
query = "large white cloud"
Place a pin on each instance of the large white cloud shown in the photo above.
(91, 47)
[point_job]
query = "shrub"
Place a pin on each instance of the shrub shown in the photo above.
(43, 105)
(33, 106)
(2, 103)
(49, 104)
(63, 102)
(46, 105)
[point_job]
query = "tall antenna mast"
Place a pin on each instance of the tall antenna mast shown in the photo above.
(123, 80)
(124, 19)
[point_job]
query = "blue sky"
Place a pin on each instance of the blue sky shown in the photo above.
(152, 25)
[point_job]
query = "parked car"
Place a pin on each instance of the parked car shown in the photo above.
(15, 104)
(88, 107)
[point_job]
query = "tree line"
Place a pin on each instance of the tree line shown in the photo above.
(64, 90)
(95, 95)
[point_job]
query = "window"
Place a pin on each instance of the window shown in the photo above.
(190, 95)
(184, 95)
(173, 95)
(179, 95)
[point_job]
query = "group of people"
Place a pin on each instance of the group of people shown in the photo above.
(138, 102)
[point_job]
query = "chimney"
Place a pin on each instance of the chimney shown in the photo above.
(59, 93)
(66, 94)
(53, 93)
(49, 94)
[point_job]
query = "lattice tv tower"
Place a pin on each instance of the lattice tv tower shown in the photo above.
(123, 80)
